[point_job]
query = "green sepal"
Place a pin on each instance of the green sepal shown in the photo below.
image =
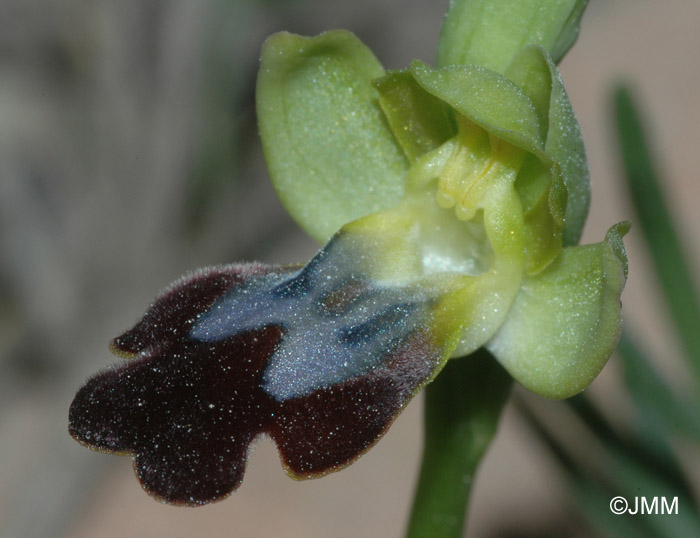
(565, 322)
(418, 119)
(490, 32)
(330, 153)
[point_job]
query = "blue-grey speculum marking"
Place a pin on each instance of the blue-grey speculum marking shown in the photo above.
(337, 323)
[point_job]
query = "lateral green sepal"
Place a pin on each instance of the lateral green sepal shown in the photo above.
(329, 150)
(565, 322)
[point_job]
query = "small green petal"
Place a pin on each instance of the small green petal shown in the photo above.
(419, 120)
(490, 32)
(330, 153)
(530, 70)
(565, 322)
(489, 99)
(534, 70)
(543, 196)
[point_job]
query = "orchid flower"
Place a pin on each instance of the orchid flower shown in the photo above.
(450, 201)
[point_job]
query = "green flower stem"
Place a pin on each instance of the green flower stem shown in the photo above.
(462, 408)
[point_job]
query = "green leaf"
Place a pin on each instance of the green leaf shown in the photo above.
(633, 479)
(489, 99)
(663, 410)
(672, 268)
(419, 121)
(652, 453)
(330, 153)
(490, 32)
(628, 469)
(565, 321)
(534, 71)
(593, 501)
(592, 496)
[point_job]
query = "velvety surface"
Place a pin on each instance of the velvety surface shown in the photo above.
(215, 356)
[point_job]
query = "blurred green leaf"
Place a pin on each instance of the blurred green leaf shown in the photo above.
(665, 247)
(654, 455)
(592, 496)
(667, 412)
(593, 500)
(629, 470)
(633, 478)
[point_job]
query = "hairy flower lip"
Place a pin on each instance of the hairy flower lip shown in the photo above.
(190, 404)
(201, 288)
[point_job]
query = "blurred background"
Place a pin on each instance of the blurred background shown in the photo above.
(129, 155)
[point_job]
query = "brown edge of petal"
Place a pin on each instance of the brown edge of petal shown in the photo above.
(121, 353)
(241, 272)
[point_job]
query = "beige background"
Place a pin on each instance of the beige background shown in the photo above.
(103, 109)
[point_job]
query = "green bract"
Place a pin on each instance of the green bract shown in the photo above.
(490, 32)
(473, 172)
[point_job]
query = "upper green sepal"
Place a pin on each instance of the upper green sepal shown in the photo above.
(330, 153)
(490, 32)
(565, 322)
